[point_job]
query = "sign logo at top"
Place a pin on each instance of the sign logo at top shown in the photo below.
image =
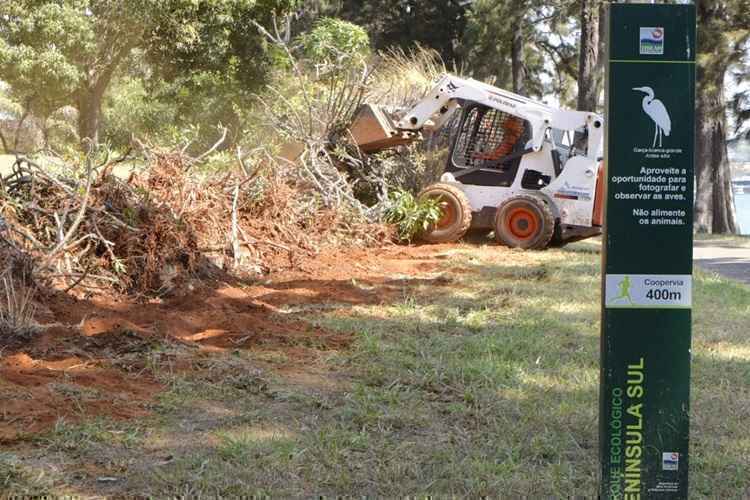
(652, 41)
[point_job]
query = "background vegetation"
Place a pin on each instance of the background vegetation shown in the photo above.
(179, 71)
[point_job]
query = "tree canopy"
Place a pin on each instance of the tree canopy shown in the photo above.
(58, 52)
(162, 67)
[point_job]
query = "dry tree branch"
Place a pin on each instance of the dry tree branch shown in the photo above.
(79, 217)
(241, 161)
(278, 40)
(142, 147)
(80, 278)
(300, 129)
(234, 230)
(249, 240)
(213, 148)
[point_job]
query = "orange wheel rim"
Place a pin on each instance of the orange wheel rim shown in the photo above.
(448, 215)
(522, 223)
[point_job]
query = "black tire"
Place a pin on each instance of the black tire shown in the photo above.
(524, 221)
(456, 217)
(557, 240)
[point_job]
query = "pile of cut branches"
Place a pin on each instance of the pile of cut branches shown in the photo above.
(68, 226)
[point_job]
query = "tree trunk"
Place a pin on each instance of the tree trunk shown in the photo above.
(89, 99)
(516, 56)
(45, 132)
(89, 113)
(714, 202)
(588, 77)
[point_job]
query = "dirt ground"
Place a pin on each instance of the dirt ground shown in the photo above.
(467, 369)
(96, 347)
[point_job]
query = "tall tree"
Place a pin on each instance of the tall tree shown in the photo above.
(723, 33)
(210, 76)
(41, 79)
(517, 42)
(589, 76)
(68, 51)
(740, 100)
(522, 45)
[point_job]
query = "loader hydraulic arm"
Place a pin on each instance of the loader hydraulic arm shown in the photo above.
(439, 104)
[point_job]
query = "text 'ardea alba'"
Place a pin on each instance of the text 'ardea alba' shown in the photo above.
(656, 110)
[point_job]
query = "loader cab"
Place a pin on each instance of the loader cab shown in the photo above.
(487, 146)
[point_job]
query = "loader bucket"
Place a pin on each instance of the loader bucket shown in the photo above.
(373, 130)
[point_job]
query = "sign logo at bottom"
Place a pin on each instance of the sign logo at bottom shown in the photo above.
(670, 460)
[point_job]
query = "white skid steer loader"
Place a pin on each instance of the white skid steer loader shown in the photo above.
(527, 171)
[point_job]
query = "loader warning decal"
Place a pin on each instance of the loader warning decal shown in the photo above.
(647, 262)
(569, 192)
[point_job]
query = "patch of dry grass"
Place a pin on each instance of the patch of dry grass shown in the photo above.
(17, 309)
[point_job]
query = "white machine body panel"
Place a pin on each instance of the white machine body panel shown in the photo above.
(574, 191)
(481, 196)
(572, 194)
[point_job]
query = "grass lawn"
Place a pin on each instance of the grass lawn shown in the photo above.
(485, 385)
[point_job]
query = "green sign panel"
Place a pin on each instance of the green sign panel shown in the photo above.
(647, 266)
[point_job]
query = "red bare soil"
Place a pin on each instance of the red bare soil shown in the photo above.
(93, 362)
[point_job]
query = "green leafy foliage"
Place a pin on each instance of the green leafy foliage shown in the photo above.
(411, 215)
(130, 108)
(68, 52)
(334, 39)
(37, 42)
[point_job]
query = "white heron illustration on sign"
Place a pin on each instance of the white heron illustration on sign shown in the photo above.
(656, 110)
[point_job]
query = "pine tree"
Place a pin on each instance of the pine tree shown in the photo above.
(723, 32)
(589, 68)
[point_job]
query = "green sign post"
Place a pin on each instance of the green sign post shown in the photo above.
(647, 263)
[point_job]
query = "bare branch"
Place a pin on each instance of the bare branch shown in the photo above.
(213, 148)
(79, 217)
(234, 231)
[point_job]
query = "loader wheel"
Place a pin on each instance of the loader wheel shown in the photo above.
(524, 221)
(456, 213)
